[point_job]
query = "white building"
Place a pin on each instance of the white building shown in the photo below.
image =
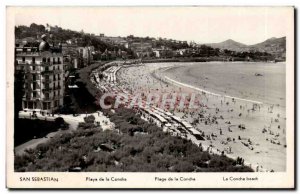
(43, 78)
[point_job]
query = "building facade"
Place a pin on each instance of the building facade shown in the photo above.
(141, 49)
(43, 79)
(85, 55)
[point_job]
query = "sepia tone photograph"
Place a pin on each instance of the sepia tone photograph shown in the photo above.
(171, 95)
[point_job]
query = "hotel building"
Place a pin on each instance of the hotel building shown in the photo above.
(43, 78)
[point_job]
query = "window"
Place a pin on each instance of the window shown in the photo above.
(45, 105)
(47, 95)
(48, 60)
(33, 59)
(34, 86)
(33, 67)
(23, 59)
(34, 94)
(44, 59)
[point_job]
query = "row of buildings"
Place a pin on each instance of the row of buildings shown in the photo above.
(45, 67)
(45, 70)
(142, 47)
(77, 57)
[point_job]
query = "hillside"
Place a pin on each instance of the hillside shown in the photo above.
(33, 33)
(274, 46)
(230, 45)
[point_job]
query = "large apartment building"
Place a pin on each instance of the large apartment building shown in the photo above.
(43, 78)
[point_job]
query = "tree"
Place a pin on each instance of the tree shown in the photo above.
(89, 119)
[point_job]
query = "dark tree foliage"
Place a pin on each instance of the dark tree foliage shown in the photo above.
(137, 146)
(27, 129)
(61, 35)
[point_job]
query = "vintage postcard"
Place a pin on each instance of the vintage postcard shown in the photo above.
(150, 97)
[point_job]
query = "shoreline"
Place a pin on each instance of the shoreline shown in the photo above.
(255, 120)
(170, 80)
(228, 90)
(201, 59)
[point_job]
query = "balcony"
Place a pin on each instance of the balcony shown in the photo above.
(31, 98)
(35, 98)
(23, 63)
(45, 81)
(57, 97)
(28, 53)
(47, 90)
(36, 80)
(46, 63)
(45, 72)
(57, 88)
(50, 98)
(47, 98)
(57, 71)
(26, 97)
(36, 71)
(38, 88)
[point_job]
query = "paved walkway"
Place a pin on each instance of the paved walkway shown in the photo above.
(73, 122)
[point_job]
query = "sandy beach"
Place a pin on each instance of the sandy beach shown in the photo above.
(243, 112)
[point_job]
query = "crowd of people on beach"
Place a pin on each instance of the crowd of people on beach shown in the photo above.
(226, 123)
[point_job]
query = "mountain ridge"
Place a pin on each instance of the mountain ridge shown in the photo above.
(273, 45)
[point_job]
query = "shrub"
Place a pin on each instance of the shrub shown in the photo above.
(85, 125)
(65, 138)
(89, 119)
(153, 151)
(59, 121)
(184, 166)
(43, 147)
(218, 162)
(21, 162)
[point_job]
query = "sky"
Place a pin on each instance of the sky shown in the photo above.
(200, 24)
